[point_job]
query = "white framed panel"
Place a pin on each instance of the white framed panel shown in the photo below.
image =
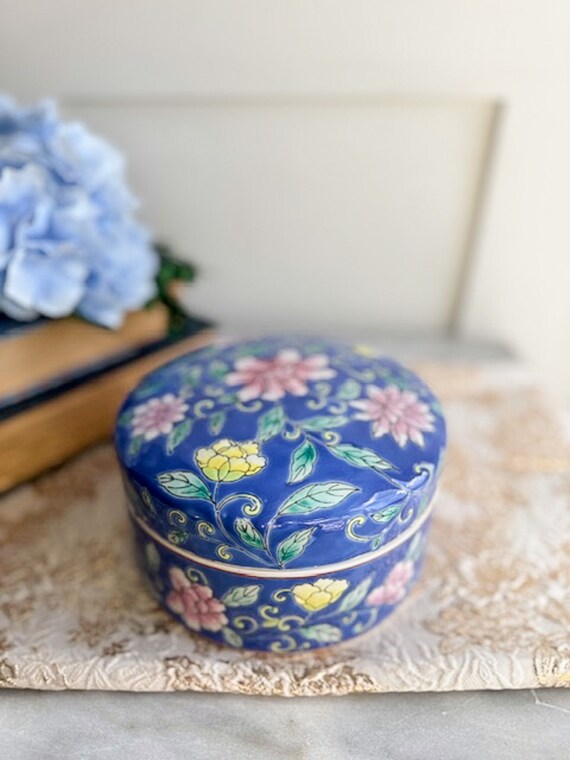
(340, 215)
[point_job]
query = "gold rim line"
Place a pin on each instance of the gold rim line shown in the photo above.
(302, 572)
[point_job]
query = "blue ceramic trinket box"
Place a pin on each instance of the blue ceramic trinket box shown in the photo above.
(281, 488)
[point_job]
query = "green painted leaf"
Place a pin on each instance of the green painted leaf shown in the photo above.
(324, 422)
(184, 484)
(135, 446)
(148, 502)
(315, 347)
(377, 541)
(360, 457)
(324, 633)
(178, 434)
(248, 533)
(148, 389)
(435, 406)
(294, 545)
(126, 417)
(218, 369)
(217, 422)
(316, 496)
(356, 596)
(213, 390)
(349, 390)
(152, 557)
(415, 548)
(231, 637)
(271, 423)
(259, 349)
(303, 462)
(192, 376)
(177, 536)
(387, 514)
(241, 596)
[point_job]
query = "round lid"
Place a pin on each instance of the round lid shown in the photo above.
(280, 452)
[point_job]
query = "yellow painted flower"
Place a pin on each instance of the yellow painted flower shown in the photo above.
(229, 461)
(367, 351)
(318, 595)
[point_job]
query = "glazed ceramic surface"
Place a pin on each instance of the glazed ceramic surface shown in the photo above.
(281, 488)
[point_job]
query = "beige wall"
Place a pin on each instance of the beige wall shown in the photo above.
(362, 167)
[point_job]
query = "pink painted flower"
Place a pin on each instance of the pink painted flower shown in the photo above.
(271, 379)
(195, 603)
(393, 590)
(395, 412)
(158, 416)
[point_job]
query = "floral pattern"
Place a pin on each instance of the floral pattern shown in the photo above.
(269, 615)
(195, 603)
(158, 416)
(227, 461)
(397, 413)
(286, 372)
(285, 418)
(394, 587)
(320, 594)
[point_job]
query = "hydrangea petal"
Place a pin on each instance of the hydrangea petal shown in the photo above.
(63, 188)
(33, 282)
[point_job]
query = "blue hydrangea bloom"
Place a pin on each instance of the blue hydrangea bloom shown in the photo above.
(69, 240)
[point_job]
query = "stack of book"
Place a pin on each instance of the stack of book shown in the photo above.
(62, 382)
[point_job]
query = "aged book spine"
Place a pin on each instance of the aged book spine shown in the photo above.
(51, 432)
(71, 346)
